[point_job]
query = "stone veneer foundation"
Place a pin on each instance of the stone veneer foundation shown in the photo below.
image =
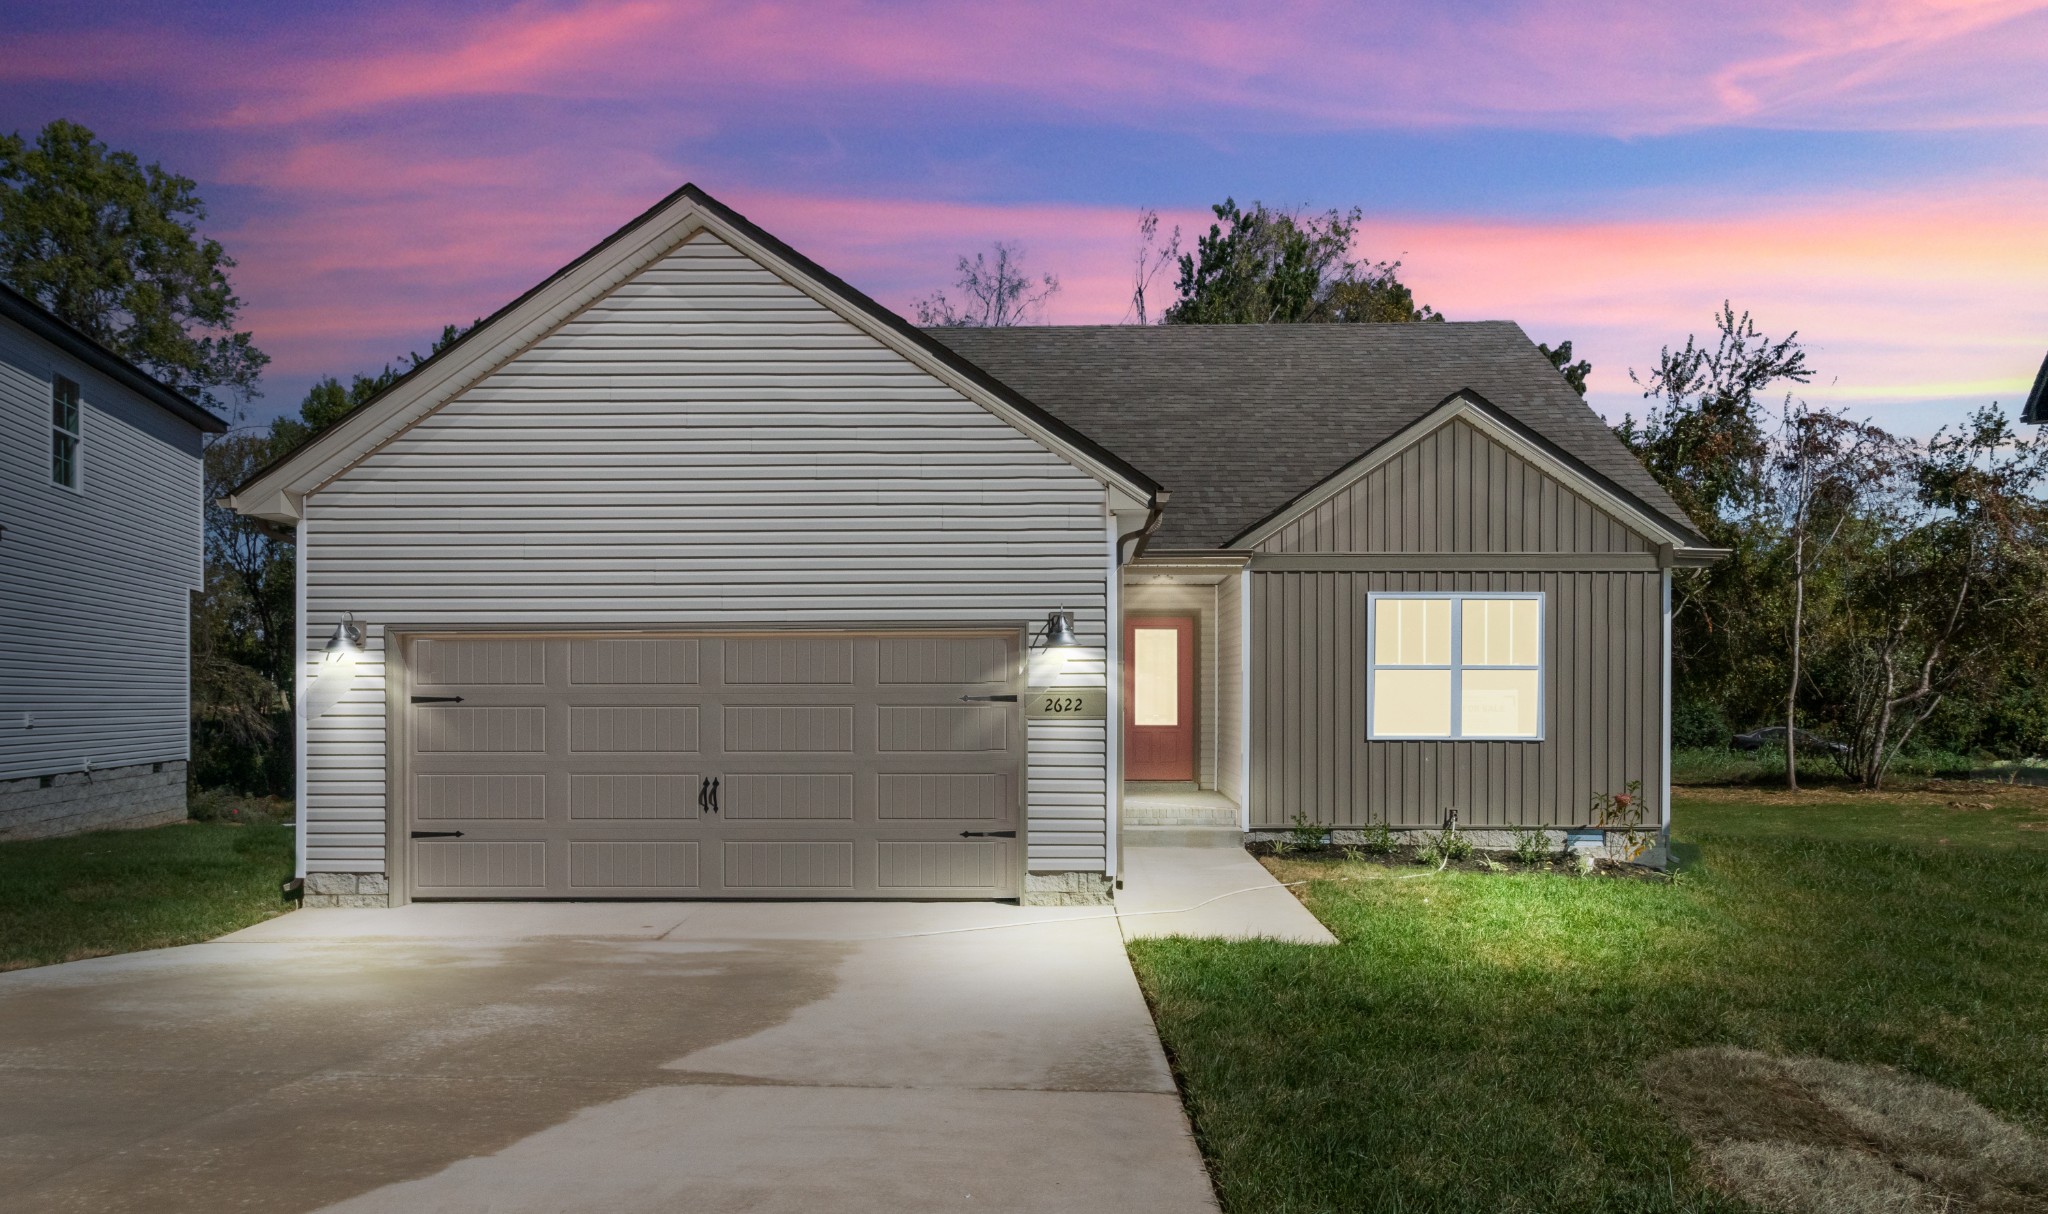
(346, 889)
(1067, 889)
(65, 803)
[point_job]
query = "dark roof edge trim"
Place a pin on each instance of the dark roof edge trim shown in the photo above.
(1683, 526)
(952, 360)
(39, 321)
(2036, 409)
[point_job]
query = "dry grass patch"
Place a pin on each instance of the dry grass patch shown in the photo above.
(1815, 1136)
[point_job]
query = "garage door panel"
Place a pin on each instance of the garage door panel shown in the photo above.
(664, 796)
(967, 661)
(940, 728)
(611, 866)
(627, 728)
(772, 661)
(786, 796)
(479, 663)
(819, 866)
(480, 730)
(789, 729)
(926, 795)
(488, 797)
(671, 661)
(476, 865)
(927, 865)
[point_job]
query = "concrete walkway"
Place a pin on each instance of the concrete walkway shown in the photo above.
(1232, 895)
(522, 1059)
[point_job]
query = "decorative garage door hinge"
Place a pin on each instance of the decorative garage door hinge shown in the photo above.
(988, 834)
(989, 699)
(437, 699)
(437, 834)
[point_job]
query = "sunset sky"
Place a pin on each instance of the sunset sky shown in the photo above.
(1870, 174)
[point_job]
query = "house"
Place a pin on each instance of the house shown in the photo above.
(100, 541)
(693, 572)
(2036, 408)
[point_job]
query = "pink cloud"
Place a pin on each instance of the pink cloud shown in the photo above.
(1618, 66)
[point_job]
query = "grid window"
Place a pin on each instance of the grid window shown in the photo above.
(1456, 665)
(65, 434)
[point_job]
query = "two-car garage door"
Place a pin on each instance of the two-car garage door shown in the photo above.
(761, 766)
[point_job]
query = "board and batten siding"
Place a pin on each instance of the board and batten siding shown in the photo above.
(1455, 494)
(96, 595)
(709, 448)
(1455, 489)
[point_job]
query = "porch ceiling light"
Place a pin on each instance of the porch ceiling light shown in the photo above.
(1058, 632)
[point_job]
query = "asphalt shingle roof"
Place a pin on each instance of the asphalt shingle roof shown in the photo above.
(1239, 420)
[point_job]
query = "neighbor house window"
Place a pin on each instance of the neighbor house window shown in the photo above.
(64, 432)
(1456, 665)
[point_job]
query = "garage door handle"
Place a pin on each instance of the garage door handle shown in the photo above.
(714, 794)
(437, 834)
(988, 834)
(704, 795)
(989, 699)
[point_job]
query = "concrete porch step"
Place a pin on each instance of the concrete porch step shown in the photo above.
(1178, 807)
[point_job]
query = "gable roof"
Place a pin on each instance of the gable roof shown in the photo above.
(2037, 400)
(1239, 421)
(274, 492)
(36, 319)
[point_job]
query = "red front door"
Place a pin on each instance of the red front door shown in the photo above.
(1159, 698)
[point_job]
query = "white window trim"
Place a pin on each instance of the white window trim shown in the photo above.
(1457, 664)
(77, 436)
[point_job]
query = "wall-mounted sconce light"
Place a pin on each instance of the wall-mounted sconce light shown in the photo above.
(1058, 632)
(337, 670)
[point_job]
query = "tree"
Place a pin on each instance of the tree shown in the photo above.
(1574, 373)
(1151, 259)
(1957, 583)
(998, 293)
(112, 246)
(1267, 266)
(1822, 472)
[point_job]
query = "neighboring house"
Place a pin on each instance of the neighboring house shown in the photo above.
(100, 543)
(2036, 409)
(695, 573)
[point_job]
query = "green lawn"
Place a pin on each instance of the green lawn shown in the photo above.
(117, 891)
(1477, 1041)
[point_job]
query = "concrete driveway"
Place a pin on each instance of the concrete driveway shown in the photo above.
(603, 1057)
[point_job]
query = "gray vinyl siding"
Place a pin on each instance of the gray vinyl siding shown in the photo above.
(705, 448)
(1230, 715)
(1199, 602)
(1456, 490)
(96, 597)
(1603, 658)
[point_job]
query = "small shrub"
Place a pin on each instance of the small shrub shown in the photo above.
(1377, 839)
(1533, 846)
(1429, 853)
(1454, 843)
(1305, 835)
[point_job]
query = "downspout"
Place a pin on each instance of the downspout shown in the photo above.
(1155, 510)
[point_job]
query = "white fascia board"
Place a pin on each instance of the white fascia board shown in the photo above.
(279, 494)
(1464, 408)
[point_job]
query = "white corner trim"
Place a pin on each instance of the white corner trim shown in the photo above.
(301, 780)
(1463, 408)
(276, 495)
(1112, 718)
(1665, 809)
(1244, 712)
